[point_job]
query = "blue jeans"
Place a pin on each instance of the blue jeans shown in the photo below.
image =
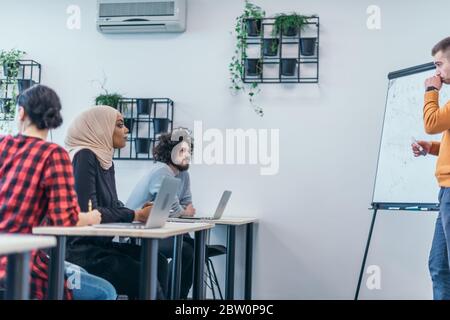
(439, 254)
(86, 286)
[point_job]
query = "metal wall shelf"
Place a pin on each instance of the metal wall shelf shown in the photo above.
(270, 67)
(29, 74)
(146, 118)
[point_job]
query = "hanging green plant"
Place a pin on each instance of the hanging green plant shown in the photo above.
(10, 61)
(246, 25)
(289, 24)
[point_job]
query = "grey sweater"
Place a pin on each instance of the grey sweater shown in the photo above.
(148, 187)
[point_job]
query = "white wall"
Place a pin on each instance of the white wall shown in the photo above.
(313, 215)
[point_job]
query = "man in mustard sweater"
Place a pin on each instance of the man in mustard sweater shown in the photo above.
(437, 120)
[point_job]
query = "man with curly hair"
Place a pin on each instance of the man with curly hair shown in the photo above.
(172, 153)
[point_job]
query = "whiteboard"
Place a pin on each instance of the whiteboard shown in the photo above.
(400, 177)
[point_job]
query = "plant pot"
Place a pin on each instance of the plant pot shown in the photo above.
(128, 122)
(253, 27)
(308, 46)
(143, 145)
(2, 106)
(6, 106)
(288, 67)
(270, 47)
(24, 84)
(160, 125)
(290, 31)
(143, 106)
(10, 72)
(253, 67)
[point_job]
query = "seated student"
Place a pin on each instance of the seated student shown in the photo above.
(91, 140)
(37, 188)
(173, 160)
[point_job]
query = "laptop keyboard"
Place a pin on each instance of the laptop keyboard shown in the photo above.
(121, 225)
(189, 218)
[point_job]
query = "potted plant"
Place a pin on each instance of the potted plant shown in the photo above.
(253, 20)
(270, 47)
(288, 66)
(10, 61)
(253, 26)
(108, 99)
(238, 61)
(160, 125)
(289, 24)
(7, 108)
(144, 106)
(143, 145)
(253, 67)
(308, 46)
(24, 84)
(7, 105)
(143, 142)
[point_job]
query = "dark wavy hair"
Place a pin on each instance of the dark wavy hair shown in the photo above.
(163, 150)
(42, 106)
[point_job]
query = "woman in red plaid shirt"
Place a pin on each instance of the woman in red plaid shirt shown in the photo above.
(37, 188)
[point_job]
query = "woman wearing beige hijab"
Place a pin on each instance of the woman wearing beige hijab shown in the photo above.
(91, 140)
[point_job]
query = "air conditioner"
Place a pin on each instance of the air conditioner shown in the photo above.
(131, 16)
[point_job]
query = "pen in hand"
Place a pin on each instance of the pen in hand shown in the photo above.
(419, 147)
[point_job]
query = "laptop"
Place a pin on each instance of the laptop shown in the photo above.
(160, 211)
(217, 215)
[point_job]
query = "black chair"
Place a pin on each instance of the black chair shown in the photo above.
(211, 276)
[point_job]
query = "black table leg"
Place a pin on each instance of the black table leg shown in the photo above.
(149, 269)
(199, 265)
(56, 269)
(18, 277)
(248, 261)
(231, 255)
(176, 268)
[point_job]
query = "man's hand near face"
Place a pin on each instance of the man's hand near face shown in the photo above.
(434, 81)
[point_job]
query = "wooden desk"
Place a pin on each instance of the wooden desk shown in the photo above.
(149, 252)
(232, 223)
(18, 247)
